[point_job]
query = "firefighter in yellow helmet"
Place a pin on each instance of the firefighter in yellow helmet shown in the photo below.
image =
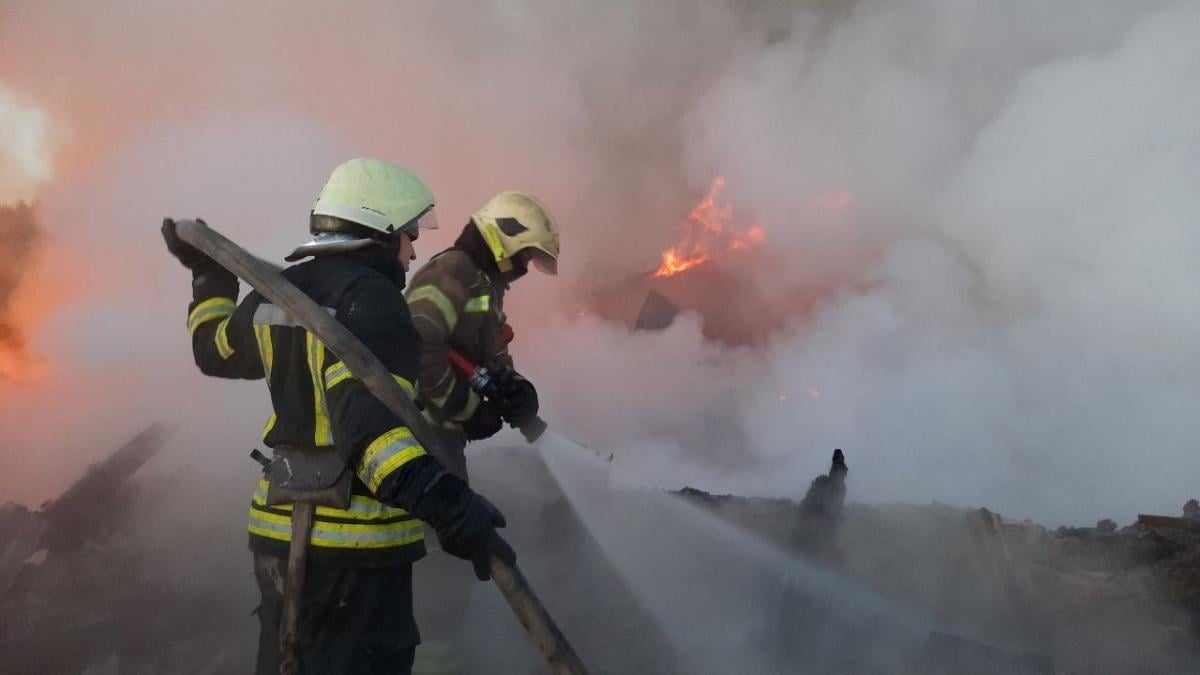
(457, 304)
(337, 450)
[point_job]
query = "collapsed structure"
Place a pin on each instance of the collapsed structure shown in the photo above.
(1000, 596)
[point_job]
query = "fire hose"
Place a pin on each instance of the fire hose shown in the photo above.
(525, 604)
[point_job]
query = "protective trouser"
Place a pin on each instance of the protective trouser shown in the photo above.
(353, 620)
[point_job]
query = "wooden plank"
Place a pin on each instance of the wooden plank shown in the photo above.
(83, 509)
(1167, 521)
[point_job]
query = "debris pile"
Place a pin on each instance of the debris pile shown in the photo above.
(1001, 596)
(74, 593)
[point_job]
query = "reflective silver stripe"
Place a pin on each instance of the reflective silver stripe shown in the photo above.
(386, 454)
(336, 373)
(273, 315)
(479, 303)
(213, 308)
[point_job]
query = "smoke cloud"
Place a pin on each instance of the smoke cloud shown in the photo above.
(1000, 315)
(1009, 319)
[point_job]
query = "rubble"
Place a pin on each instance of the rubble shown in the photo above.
(985, 594)
(1098, 600)
(657, 312)
(73, 596)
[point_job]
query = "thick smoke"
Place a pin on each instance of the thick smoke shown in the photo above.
(1020, 194)
(1021, 227)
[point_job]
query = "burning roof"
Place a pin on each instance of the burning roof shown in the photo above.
(708, 271)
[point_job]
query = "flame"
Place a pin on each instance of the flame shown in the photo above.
(25, 166)
(708, 233)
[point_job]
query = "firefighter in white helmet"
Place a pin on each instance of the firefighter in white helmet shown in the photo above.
(457, 304)
(336, 448)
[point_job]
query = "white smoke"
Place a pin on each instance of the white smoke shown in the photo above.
(24, 149)
(1024, 181)
(1012, 324)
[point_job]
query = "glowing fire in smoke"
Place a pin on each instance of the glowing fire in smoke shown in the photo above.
(25, 166)
(709, 233)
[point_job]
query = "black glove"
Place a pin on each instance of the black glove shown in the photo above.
(189, 255)
(465, 523)
(485, 423)
(209, 279)
(516, 399)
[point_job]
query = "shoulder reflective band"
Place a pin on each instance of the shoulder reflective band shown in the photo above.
(434, 295)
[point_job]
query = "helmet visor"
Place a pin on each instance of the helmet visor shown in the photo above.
(544, 262)
(427, 220)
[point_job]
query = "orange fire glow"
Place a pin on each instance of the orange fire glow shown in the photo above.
(708, 233)
(26, 163)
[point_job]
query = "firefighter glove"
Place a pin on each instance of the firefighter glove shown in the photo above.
(485, 423)
(189, 255)
(516, 398)
(466, 524)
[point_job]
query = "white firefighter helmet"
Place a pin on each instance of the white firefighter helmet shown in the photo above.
(512, 222)
(370, 199)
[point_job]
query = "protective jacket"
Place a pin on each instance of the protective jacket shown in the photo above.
(457, 302)
(317, 402)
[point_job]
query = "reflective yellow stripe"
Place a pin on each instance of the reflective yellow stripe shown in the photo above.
(265, 349)
(335, 374)
(339, 535)
(386, 454)
(479, 303)
(435, 295)
(270, 425)
(316, 361)
(442, 392)
(224, 349)
(405, 385)
(339, 372)
(213, 308)
(469, 408)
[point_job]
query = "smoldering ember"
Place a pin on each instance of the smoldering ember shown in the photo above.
(871, 348)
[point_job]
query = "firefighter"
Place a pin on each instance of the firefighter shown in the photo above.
(457, 302)
(355, 606)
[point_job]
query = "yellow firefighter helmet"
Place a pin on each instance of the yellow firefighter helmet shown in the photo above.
(512, 222)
